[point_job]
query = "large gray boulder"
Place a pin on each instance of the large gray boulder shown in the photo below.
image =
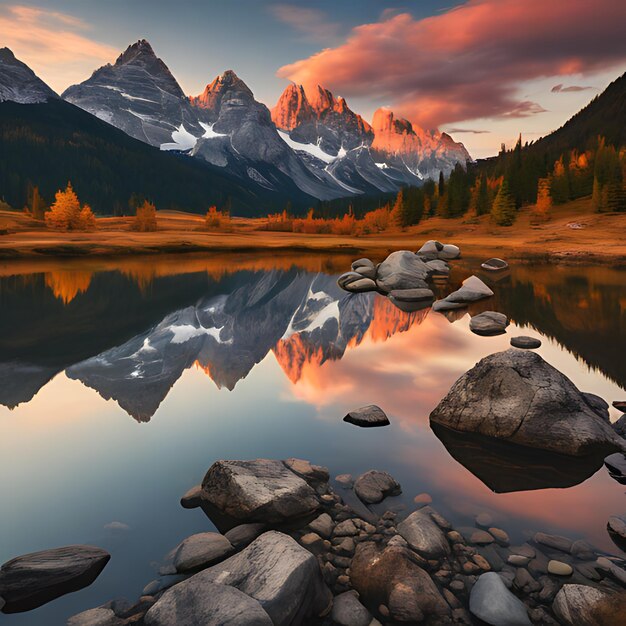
(518, 397)
(424, 536)
(283, 577)
(471, 290)
(489, 323)
(402, 270)
(575, 605)
(367, 417)
(31, 580)
(493, 603)
(261, 490)
(200, 551)
(375, 486)
(200, 602)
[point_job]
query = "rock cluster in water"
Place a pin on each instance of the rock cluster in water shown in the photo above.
(341, 562)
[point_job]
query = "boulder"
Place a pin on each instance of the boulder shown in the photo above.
(489, 323)
(282, 576)
(31, 580)
(424, 536)
(375, 486)
(392, 576)
(517, 397)
(495, 265)
(525, 343)
(576, 605)
(361, 286)
(493, 603)
(322, 525)
(449, 252)
(598, 404)
(360, 263)
(244, 534)
(162, 583)
(366, 271)
(201, 602)
(411, 295)
(260, 490)
(348, 611)
(95, 617)
(620, 426)
(315, 475)
(616, 527)
(430, 249)
(438, 267)
(348, 277)
(402, 270)
(201, 550)
(471, 290)
(367, 417)
(192, 498)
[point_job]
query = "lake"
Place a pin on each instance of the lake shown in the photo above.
(122, 381)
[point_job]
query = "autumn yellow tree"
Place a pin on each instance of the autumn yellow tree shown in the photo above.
(544, 198)
(87, 219)
(145, 219)
(64, 214)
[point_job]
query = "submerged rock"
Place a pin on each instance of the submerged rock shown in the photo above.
(367, 417)
(402, 270)
(200, 551)
(375, 486)
(244, 534)
(96, 617)
(493, 603)
(518, 397)
(495, 265)
(525, 343)
(489, 323)
(31, 580)
(348, 611)
(261, 490)
(282, 577)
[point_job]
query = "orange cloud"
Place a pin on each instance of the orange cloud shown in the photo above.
(51, 43)
(470, 61)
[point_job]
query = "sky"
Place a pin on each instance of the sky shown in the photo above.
(482, 70)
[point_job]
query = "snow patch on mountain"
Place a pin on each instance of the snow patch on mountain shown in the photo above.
(312, 149)
(183, 140)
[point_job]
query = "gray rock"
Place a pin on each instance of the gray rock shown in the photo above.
(375, 486)
(322, 525)
(617, 531)
(411, 295)
(347, 278)
(471, 290)
(558, 568)
(444, 305)
(192, 498)
(582, 550)
(597, 404)
(162, 583)
(524, 550)
(315, 475)
(431, 248)
(493, 603)
(261, 490)
(345, 480)
(518, 397)
(95, 617)
(612, 569)
(423, 535)
(244, 534)
(402, 270)
(361, 286)
(518, 560)
(367, 272)
(348, 611)
(525, 343)
(620, 426)
(494, 265)
(489, 323)
(449, 252)
(360, 263)
(616, 463)
(367, 417)
(31, 580)
(347, 528)
(576, 605)
(554, 541)
(203, 602)
(438, 267)
(200, 551)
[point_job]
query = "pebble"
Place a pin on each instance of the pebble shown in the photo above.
(524, 550)
(500, 536)
(554, 541)
(481, 562)
(345, 480)
(558, 568)
(481, 537)
(322, 525)
(483, 520)
(526, 343)
(455, 537)
(518, 560)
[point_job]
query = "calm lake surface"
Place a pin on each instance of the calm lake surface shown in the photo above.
(122, 381)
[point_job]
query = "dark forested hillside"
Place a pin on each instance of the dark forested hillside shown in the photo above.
(47, 144)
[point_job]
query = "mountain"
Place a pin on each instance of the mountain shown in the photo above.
(399, 143)
(18, 83)
(47, 141)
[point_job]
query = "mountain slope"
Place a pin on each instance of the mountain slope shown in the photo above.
(18, 83)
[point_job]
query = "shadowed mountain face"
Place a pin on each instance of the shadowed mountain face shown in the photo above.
(130, 337)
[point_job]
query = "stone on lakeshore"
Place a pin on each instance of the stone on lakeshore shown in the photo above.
(393, 577)
(345, 480)
(348, 611)
(471, 290)
(367, 417)
(525, 343)
(312, 542)
(558, 568)
(489, 323)
(200, 551)
(483, 520)
(364, 262)
(411, 295)
(620, 426)
(402, 270)
(422, 499)
(282, 576)
(322, 525)
(361, 286)
(598, 404)
(493, 603)
(423, 535)
(367, 271)
(313, 474)
(244, 534)
(616, 463)
(192, 498)
(162, 583)
(347, 278)
(616, 527)
(430, 249)
(261, 490)
(575, 605)
(95, 617)
(444, 305)
(476, 535)
(449, 252)
(495, 265)
(612, 569)
(517, 397)
(553, 541)
(194, 602)
(375, 486)
(30, 580)
(582, 550)
(438, 267)
(518, 560)
(499, 535)
(347, 528)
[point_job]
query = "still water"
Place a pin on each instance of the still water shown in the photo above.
(121, 382)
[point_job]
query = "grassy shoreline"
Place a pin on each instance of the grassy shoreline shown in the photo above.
(595, 238)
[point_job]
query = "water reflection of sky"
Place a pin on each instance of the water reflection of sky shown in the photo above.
(73, 462)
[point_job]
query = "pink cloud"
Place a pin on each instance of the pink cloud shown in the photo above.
(52, 44)
(469, 62)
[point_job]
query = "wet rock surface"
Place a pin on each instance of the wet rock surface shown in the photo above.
(374, 486)
(525, 343)
(489, 323)
(367, 417)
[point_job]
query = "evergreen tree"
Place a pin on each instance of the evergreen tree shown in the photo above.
(503, 209)
(441, 187)
(482, 201)
(400, 212)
